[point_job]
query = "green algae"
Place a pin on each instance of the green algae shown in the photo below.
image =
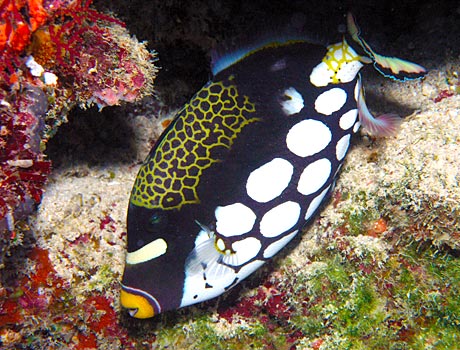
(409, 302)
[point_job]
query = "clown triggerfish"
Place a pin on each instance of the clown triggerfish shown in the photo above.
(244, 165)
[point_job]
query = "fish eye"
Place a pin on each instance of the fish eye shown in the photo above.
(155, 219)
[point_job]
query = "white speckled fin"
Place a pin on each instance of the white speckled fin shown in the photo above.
(205, 276)
(201, 256)
(204, 252)
(391, 67)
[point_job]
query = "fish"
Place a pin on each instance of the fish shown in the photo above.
(244, 165)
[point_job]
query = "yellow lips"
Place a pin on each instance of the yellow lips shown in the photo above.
(138, 306)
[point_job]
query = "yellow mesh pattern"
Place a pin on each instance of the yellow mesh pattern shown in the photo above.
(205, 128)
(338, 55)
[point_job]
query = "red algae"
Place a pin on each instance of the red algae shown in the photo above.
(9, 313)
(54, 56)
(270, 303)
(442, 95)
(103, 317)
(107, 221)
(86, 341)
(16, 29)
(42, 294)
(33, 294)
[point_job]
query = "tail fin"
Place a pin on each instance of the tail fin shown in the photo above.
(391, 67)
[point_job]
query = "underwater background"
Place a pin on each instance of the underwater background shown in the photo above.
(379, 268)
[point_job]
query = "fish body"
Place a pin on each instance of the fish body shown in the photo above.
(241, 169)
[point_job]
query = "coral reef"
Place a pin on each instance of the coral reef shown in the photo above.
(54, 56)
(379, 268)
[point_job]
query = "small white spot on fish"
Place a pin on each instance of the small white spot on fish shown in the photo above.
(294, 102)
(276, 246)
(279, 65)
(314, 204)
(245, 250)
(321, 75)
(348, 119)
(342, 147)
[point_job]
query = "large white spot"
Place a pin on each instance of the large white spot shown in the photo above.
(348, 119)
(348, 71)
(342, 147)
(234, 219)
(293, 103)
(269, 180)
(330, 101)
(315, 203)
(276, 246)
(246, 270)
(280, 219)
(314, 176)
(245, 250)
(308, 137)
(321, 75)
(148, 252)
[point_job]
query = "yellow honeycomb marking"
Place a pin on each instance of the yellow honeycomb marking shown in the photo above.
(337, 55)
(202, 132)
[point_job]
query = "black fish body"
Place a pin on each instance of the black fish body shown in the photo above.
(245, 164)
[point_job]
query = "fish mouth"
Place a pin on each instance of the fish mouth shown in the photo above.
(132, 312)
(139, 303)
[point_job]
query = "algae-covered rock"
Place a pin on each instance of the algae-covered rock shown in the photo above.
(379, 268)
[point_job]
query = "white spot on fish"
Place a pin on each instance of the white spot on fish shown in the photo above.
(148, 252)
(276, 246)
(245, 250)
(234, 219)
(279, 65)
(314, 176)
(356, 127)
(308, 137)
(321, 75)
(280, 219)
(330, 101)
(315, 203)
(357, 89)
(342, 147)
(348, 119)
(268, 181)
(293, 103)
(246, 270)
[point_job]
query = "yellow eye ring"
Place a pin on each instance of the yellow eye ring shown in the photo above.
(221, 247)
